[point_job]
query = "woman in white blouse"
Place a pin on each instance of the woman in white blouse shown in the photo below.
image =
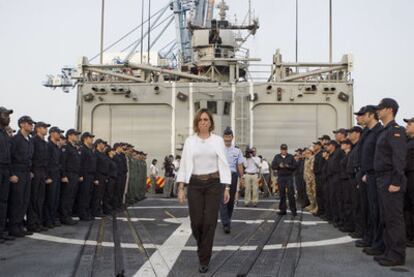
(205, 169)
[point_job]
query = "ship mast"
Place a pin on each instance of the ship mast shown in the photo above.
(102, 32)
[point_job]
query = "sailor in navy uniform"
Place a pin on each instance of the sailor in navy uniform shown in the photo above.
(389, 166)
(235, 159)
(70, 164)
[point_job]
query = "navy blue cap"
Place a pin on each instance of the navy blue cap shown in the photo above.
(357, 129)
(228, 132)
(55, 129)
(99, 141)
(41, 124)
(87, 135)
(118, 144)
(370, 109)
(4, 110)
(341, 131)
(325, 137)
(387, 103)
(361, 111)
(26, 119)
(333, 142)
(72, 132)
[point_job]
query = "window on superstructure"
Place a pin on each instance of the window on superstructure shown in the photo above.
(212, 106)
(226, 110)
(197, 106)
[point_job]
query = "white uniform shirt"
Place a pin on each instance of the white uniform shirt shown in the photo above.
(153, 170)
(265, 168)
(252, 165)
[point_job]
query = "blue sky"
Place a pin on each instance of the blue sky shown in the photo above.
(39, 37)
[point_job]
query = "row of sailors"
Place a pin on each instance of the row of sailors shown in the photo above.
(49, 181)
(363, 182)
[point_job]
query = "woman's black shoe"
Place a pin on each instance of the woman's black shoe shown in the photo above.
(226, 229)
(203, 268)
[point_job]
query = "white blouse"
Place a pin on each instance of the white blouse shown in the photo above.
(205, 158)
(187, 160)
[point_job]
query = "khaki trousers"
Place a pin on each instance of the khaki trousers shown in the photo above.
(251, 192)
(311, 192)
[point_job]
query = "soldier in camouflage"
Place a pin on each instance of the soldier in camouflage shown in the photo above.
(309, 177)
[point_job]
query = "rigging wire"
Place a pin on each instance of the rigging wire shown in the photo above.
(137, 41)
(162, 11)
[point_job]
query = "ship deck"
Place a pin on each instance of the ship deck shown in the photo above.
(153, 238)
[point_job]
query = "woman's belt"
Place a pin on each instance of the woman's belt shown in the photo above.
(206, 177)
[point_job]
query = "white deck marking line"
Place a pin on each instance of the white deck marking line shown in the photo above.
(175, 200)
(157, 207)
(135, 219)
(168, 252)
(336, 241)
(326, 242)
(307, 223)
(51, 238)
(340, 240)
(185, 207)
(257, 221)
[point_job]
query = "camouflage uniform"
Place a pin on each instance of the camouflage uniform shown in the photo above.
(309, 177)
(142, 179)
(135, 184)
(132, 177)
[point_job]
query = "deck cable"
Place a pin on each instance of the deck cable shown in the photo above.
(243, 243)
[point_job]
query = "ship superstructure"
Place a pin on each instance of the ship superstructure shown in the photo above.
(149, 99)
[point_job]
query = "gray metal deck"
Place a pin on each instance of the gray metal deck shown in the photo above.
(153, 239)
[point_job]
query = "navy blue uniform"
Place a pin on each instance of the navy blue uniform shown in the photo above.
(346, 199)
(5, 161)
(319, 180)
(409, 198)
(357, 222)
(324, 177)
(88, 173)
(109, 199)
(53, 189)
(234, 158)
(121, 163)
(362, 218)
(70, 164)
(37, 195)
(389, 166)
(285, 167)
(102, 167)
(334, 184)
(19, 198)
(374, 235)
(300, 183)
